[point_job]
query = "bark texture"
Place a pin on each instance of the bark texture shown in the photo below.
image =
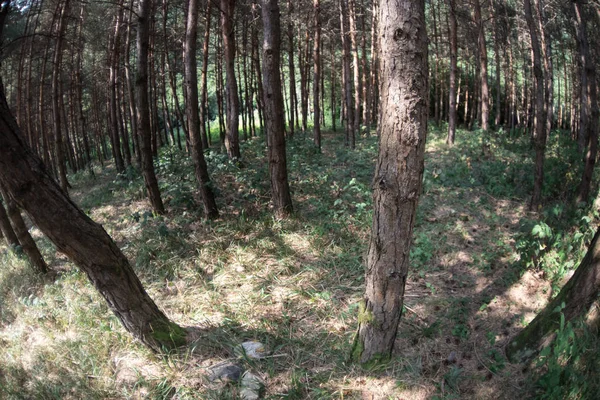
(143, 107)
(192, 110)
(453, 29)
(85, 242)
(398, 177)
(539, 123)
(232, 141)
(22, 233)
(274, 110)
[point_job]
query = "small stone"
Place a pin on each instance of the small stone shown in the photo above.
(225, 373)
(452, 358)
(252, 386)
(251, 349)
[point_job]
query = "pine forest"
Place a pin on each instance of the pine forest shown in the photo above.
(311, 199)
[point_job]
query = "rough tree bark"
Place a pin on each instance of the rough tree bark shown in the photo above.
(192, 110)
(57, 96)
(398, 177)
(317, 74)
(22, 233)
(85, 242)
(142, 106)
(274, 110)
(589, 103)
(483, 74)
(453, 28)
(539, 125)
(232, 143)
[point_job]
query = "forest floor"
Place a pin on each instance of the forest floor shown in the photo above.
(480, 271)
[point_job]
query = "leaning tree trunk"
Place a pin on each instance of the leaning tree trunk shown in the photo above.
(143, 108)
(274, 111)
(578, 295)
(85, 242)
(398, 177)
(192, 111)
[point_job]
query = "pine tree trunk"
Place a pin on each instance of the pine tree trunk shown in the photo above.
(274, 112)
(453, 28)
(22, 233)
(483, 74)
(57, 96)
(398, 177)
(192, 111)
(86, 243)
(589, 103)
(539, 124)
(232, 100)
(142, 106)
(317, 74)
(291, 68)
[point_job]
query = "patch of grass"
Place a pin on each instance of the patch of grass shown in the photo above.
(293, 284)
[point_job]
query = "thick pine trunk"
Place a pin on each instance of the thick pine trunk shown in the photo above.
(398, 177)
(274, 112)
(86, 243)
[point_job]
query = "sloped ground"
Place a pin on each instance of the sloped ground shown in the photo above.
(293, 284)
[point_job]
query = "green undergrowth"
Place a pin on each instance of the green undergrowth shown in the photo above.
(293, 284)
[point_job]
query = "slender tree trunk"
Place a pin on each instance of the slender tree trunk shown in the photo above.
(316, 74)
(192, 110)
(25, 239)
(398, 176)
(142, 106)
(453, 28)
(233, 102)
(483, 73)
(203, 79)
(539, 125)
(589, 102)
(57, 96)
(7, 230)
(291, 67)
(333, 105)
(274, 112)
(351, 4)
(349, 125)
